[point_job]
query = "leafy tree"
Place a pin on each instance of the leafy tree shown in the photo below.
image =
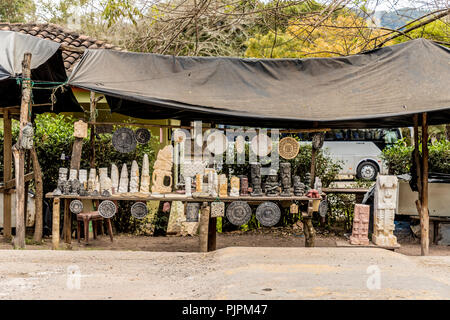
(437, 30)
(16, 10)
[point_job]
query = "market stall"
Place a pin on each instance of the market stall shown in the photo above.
(389, 86)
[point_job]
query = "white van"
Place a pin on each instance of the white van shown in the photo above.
(359, 150)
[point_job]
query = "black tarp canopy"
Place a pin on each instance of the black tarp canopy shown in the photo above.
(380, 88)
(46, 65)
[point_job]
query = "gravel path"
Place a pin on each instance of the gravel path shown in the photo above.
(230, 273)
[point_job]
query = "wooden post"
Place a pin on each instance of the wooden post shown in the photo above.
(7, 174)
(424, 216)
(308, 228)
(67, 222)
(212, 234)
(19, 153)
(38, 224)
(55, 224)
(418, 164)
(203, 227)
(92, 118)
(313, 166)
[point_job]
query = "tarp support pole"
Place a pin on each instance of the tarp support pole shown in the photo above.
(19, 153)
(7, 173)
(424, 216)
(92, 119)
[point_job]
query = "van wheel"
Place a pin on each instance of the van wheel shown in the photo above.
(367, 171)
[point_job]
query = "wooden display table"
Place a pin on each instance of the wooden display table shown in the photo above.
(207, 225)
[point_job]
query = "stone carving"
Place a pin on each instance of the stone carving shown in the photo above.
(176, 218)
(308, 181)
(223, 186)
(142, 135)
(192, 168)
(166, 207)
(360, 232)
(216, 142)
(285, 172)
(67, 187)
(317, 140)
(80, 129)
(384, 211)
(91, 180)
(212, 177)
(105, 182)
(239, 213)
(139, 210)
(268, 214)
(83, 178)
(162, 170)
(255, 171)
(217, 209)
(114, 179)
(271, 186)
(75, 187)
(288, 148)
(123, 140)
(76, 206)
(244, 186)
(27, 137)
(318, 184)
(97, 186)
(293, 209)
(107, 209)
(192, 209)
(134, 177)
(299, 187)
(199, 182)
(145, 177)
(73, 174)
(188, 186)
(123, 182)
(234, 186)
(323, 208)
(62, 178)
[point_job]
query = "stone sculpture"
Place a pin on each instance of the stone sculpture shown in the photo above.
(217, 209)
(73, 174)
(188, 186)
(107, 209)
(384, 211)
(75, 187)
(285, 172)
(134, 177)
(114, 179)
(76, 206)
(67, 187)
(308, 181)
(360, 232)
(27, 137)
(192, 209)
(234, 186)
(91, 180)
(139, 210)
(80, 129)
(142, 135)
(244, 186)
(288, 148)
(223, 186)
(123, 140)
(62, 178)
(271, 186)
(293, 209)
(123, 182)
(145, 178)
(318, 185)
(268, 214)
(299, 187)
(162, 170)
(255, 171)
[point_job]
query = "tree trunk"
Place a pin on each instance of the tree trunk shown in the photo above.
(38, 225)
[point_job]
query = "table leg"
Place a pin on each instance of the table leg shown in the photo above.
(67, 222)
(55, 223)
(212, 234)
(203, 227)
(110, 232)
(86, 229)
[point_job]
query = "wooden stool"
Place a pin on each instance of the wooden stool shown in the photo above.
(95, 217)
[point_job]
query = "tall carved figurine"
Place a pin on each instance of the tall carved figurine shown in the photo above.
(162, 171)
(384, 211)
(360, 229)
(114, 178)
(134, 177)
(285, 171)
(145, 178)
(255, 171)
(123, 183)
(244, 186)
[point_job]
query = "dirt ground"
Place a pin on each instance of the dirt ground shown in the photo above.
(273, 237)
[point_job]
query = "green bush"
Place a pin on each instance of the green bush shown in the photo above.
(399, 157)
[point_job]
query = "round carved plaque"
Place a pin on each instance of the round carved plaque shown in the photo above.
(317, 140)
(76, 206)
(261, 145)
(142, 135)
(139, 210)
(123, 140)
(239, 213)
(288, 148)
(217, 142)
(268, 214)
(107, 209)
(192, 209)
